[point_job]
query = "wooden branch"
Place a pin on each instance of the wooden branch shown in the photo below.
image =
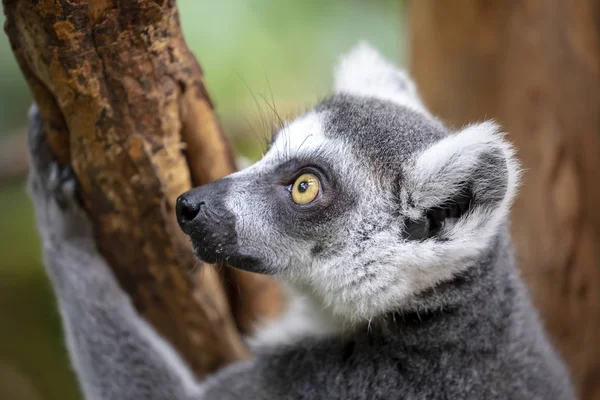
(535, 67)
(123, 100)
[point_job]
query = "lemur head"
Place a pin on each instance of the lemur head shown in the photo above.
(363, 202)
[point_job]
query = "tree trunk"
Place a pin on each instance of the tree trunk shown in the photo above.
(535, 67)
(123, 100)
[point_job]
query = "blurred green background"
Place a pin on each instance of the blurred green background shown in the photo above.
(251, 52)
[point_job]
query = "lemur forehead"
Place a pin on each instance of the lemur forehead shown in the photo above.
(303, 137)
(377, 130)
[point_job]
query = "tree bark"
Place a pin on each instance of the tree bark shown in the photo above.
(535, 67)
(124, 101)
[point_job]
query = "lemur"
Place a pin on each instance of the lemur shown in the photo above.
(391, 232)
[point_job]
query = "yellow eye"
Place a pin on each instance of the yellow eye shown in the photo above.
(305, 189)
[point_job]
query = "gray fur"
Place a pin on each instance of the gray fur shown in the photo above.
(402, 272)
(475, 338)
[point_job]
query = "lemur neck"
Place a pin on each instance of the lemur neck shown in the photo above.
(479, 302)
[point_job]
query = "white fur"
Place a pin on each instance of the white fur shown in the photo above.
(415, 266)
(302, 136)
(441, 168)
(403, 268)
(406, 268)
(244, 162)
(364, 72)
(404, 271)
(302, 318)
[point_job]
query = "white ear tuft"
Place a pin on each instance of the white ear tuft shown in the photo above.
(364, 69)
(365, 72)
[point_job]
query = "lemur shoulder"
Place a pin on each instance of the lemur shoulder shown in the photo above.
(391, 231)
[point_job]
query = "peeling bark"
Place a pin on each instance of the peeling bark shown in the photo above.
(123, 100)
(535, 67)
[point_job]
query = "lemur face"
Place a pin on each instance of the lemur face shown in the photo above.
(364, 201)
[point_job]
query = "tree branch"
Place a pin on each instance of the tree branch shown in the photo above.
(123, 100)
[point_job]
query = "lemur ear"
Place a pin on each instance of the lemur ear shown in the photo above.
(365, 72)
(472, 173)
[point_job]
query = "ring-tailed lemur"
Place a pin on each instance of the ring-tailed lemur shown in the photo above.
(392, 231)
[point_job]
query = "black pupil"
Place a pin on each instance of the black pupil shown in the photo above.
(303, 186)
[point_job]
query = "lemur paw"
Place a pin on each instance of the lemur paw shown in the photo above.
(53, 189)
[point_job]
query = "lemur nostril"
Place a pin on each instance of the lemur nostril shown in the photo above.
(186, 210)
(190, 212)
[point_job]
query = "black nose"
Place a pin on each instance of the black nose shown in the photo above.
(202, 207)
(187, 209)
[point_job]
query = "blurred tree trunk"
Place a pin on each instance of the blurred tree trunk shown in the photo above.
(535, 67)
(123, 100)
